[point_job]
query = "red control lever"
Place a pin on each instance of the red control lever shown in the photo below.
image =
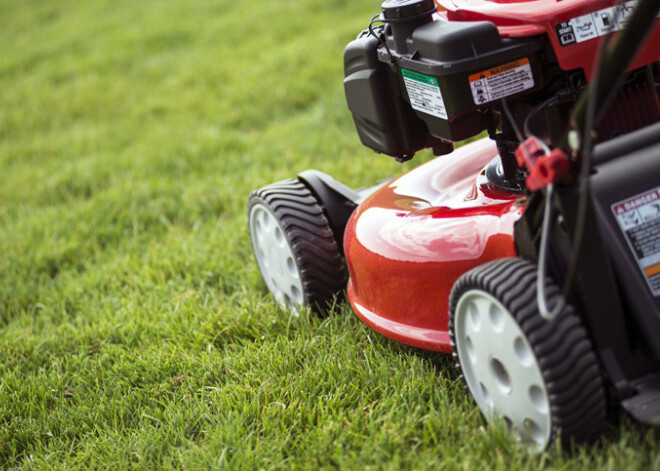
(543, 168)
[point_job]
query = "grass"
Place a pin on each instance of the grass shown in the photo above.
(135, 331)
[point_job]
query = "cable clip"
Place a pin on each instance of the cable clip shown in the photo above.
(545, 166)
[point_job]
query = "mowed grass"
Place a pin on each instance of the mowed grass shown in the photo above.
(135, 331)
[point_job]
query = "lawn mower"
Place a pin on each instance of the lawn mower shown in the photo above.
(532, 255)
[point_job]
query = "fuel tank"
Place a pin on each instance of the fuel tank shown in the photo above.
(408, 242)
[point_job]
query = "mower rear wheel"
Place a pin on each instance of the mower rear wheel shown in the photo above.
(540, 376)
(294, 246)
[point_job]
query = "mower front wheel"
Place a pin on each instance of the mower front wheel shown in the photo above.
(294, 246)
(540, 376)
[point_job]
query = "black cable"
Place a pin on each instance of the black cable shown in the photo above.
(371, 27)
(380, 37)
(512, 121)
(550, 101)
(586, 146)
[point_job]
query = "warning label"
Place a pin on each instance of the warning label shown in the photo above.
(424, 93)
(639, 219)
(501, 81)
(592, 25)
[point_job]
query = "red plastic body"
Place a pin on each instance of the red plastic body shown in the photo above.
(516, 18)
(408, 243)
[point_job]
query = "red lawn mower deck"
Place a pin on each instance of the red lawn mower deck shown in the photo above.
(532, 254)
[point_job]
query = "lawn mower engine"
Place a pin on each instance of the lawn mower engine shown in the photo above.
(417, 78)
(533, 254)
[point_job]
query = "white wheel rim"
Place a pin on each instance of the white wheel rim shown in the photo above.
(501, 369)
(275, 257)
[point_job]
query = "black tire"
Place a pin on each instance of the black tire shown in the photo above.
(307, 252)
(562, 351)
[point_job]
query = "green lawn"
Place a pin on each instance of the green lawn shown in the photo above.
(135, 331)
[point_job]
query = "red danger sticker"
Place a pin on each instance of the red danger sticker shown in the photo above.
(636, 202)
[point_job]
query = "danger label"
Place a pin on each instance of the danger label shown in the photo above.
(501, 81)
(424, 93)
(639, 219)
(593, 25)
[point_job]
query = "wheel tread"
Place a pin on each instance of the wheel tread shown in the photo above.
(562, 346)
(309, 235)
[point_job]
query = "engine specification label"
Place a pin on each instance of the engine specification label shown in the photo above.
(501, 81)
(593, 25)
(424, 93)
(639, 219)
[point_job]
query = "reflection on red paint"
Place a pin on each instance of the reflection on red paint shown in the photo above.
(408, 243)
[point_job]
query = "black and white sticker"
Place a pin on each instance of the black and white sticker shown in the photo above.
(593, 25)
(639, 219)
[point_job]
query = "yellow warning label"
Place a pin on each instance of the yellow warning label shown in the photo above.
(501, 81)
(499, 69)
